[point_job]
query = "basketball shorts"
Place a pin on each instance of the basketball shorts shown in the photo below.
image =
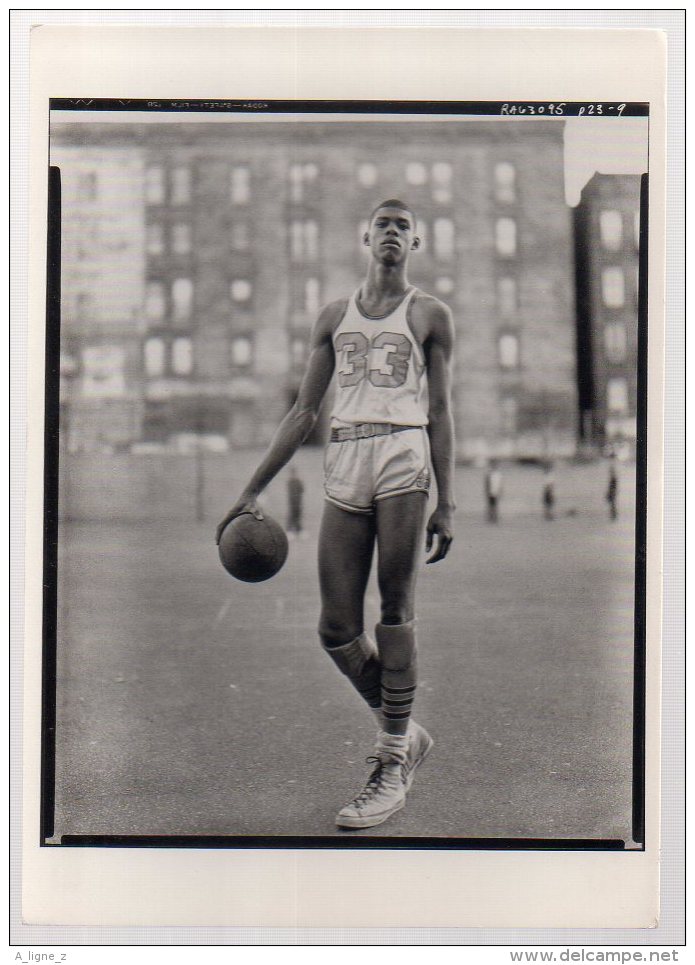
(360, 472)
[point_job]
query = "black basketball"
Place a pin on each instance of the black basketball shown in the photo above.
(253, 549)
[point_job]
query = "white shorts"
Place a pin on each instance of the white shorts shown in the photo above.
(360, 472)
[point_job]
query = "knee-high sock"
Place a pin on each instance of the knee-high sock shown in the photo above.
(397, 652)
(359, 661)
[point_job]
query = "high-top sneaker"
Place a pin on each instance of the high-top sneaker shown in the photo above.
(384, 792)
(419, 745)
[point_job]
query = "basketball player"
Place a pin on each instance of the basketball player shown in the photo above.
(391, 347)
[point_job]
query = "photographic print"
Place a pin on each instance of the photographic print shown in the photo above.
(424, 327)
(343, 483)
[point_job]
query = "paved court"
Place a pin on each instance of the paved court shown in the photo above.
(190, 703)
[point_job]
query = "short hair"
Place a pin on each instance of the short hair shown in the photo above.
(393, 203)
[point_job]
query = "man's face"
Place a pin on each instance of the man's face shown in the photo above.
(391, 235)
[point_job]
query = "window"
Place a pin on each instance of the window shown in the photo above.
(617, 395)
(508, 415)
(441, 182)
(298, 351)
(103, 371)
(240, 236)
(156, 353)
(311, 296)
(240, 290)
(507, 296)
(616, 342)
(182, 298)
(302, 177)
(154, 185)
(613, 287)
(505, 182)
(296, 183)
(296, 240)
(415, 173)
(611, 226)
(87, 186)
(182, 356)
(180, 185)
(505, 237)
(239, 185)
(155, 239)
(154, 357)
(304, 240)
(443, 237)
(181, 239)
(311, 240)
(444, 285)
(155, 301)
(367, 175)
(508, 351)
(241, 351)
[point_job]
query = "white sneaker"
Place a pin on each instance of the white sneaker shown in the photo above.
(419, 745)
(382, 796)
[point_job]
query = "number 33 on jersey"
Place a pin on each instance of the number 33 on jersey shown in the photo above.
(360, 360)
(380, 368)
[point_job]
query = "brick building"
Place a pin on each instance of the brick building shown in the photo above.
(233, 234)
(607, 263)
(102, 245)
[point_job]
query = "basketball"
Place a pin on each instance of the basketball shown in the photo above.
(253, 550)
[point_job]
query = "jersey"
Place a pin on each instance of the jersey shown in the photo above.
(381, 374)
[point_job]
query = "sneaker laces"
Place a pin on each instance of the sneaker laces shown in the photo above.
(374, 782)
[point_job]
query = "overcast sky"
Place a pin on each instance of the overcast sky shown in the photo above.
(609, 145)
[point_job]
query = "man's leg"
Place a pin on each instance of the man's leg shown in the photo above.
(346, 547)
(400, 523)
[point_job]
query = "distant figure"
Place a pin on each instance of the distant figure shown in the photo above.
(295, 502)
(493, 491)
(612, 493)
(548, 491)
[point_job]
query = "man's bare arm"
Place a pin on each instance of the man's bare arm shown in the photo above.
(439, 352)
(301, 418)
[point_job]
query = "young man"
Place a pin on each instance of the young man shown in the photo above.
(391, 347)
(295, 500)
(612, 493)
(493, 491)
(548, 492)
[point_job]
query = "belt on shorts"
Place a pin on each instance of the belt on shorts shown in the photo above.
(366, 430)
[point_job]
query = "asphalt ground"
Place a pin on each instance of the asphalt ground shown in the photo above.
(189, 703)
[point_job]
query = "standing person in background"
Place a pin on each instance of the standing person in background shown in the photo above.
(548, 491)
(295, 502)
(493, 490)
(391, 346)
(612, 493)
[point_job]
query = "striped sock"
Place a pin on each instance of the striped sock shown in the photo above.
(397, 651)
(397, 703)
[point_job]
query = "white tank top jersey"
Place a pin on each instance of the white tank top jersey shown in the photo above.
(380, 368)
